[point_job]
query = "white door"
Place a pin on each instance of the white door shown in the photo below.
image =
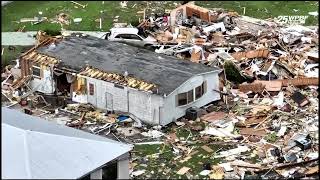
(109, 101)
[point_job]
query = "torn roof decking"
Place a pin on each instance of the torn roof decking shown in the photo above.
(167, 73)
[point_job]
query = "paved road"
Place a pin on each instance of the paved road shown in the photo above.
(27, 39)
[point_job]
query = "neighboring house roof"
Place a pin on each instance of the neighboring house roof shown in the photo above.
(166, 72)
(39, 149)
(18, 38)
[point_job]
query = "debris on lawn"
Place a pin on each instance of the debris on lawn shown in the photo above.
(34, 20)
(268, 71)
(123, 4)
(183, 170)
(63, 18)
(77, 20)
(83, 6)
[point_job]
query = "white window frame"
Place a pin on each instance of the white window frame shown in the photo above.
(203, 90)
(37, 67)
(188, 102)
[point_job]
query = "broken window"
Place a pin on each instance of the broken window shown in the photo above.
(91, 89)
(36, 71)
(200, 90)
(182, 99)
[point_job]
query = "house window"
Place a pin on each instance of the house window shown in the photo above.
(204, 87)
(185, 98)
(190, 96)
(198, 92)
(201, 90)
(182, 99)
(36, 71)
(91, 89)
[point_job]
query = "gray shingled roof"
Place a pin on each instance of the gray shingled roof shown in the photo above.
(166, 72)
(33, 148)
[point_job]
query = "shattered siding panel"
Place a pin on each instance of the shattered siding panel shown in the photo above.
(47, 83)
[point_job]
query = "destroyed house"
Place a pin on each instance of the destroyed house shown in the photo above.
(152, 88)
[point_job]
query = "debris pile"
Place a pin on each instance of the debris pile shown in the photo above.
(254, 138)
(269, 87)
(257, 49)
(15, 89)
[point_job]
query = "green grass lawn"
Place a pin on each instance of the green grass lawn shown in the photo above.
(12, 13)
